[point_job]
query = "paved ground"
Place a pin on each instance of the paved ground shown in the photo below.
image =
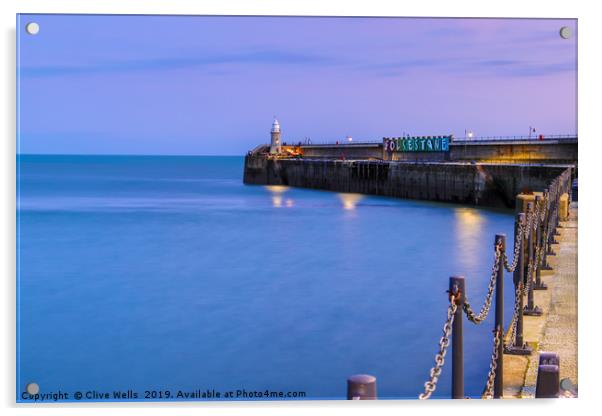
(556, 330)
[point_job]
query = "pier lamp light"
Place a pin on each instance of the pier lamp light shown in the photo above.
(470, 134)
(349, 139)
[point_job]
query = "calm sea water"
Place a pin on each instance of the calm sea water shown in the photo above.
(157, 273)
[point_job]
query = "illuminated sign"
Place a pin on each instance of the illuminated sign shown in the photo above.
(417, 144)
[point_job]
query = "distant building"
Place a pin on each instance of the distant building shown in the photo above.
(275, 146)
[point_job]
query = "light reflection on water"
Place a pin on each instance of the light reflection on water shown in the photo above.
(350, 200)
(277, 198)
(468, 225)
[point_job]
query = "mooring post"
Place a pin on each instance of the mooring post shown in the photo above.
(528, 242)
(550, 224)
(545, 229)
(548, 376)
(519, 282)
(569, 185)
(531, 309)
(500, 239)
(361, 387)
(557, 200)
(457, 290)
(519, 347)
(557, 205)
(539, 285)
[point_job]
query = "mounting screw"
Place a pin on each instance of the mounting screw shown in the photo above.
(32, 388)
(565, 32)
(32, 28)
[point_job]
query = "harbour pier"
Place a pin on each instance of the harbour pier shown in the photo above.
(481, 171)
(533, 355)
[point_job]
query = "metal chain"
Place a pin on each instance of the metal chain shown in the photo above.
(536, 211)
(539, 256)
(529, 224)
(530, 270)
(517, 247)
(497, 338)
(540, 213)
(431, 384)
(544, 211)
(472, 317)
(517, 295)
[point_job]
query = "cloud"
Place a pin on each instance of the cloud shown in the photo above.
(203, 59)
(474, 66)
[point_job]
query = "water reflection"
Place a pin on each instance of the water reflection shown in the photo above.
(277, 198)
(350, 200)
(469, 227)
(277, 189)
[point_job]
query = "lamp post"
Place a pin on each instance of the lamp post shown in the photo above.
(531, 130)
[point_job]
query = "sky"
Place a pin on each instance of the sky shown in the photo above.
(210, 85)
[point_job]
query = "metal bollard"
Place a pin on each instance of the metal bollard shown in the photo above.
(558, 192)
(549, 358)
(548, 376)
(557, 216)
(361, 387)
(561, 190)
(519, 347)
(545, 265)
(551, 241)
(539, 285)
(457, 289)
(531, 309)
(556, 220)
(527, 243)
(498, 387)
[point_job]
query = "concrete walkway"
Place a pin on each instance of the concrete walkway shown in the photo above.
(556, 330)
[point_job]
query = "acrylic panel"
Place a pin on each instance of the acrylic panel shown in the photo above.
(295, 208)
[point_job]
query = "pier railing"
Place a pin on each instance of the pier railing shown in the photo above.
(534, 234)
(455, 140)
(532, 138)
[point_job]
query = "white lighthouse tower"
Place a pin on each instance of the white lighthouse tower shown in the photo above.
(275, 146)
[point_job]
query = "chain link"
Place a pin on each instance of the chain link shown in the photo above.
(517, 296)
(529, 225)
(497, 338)
(544, 211)
(518, 243)
(536, 211)
(522, 290)
(431, 384)
(530, 270)
(472, 317)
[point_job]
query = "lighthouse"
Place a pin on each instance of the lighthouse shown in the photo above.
(275, 146)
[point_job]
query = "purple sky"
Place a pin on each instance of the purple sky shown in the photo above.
(211, 85)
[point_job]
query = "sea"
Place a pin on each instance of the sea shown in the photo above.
(161, 275)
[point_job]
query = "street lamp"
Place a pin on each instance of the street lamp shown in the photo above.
(531, 130)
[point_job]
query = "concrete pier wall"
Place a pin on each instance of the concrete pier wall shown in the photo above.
(520, 152)
(475, 184)
(549, 151)
(349, 151)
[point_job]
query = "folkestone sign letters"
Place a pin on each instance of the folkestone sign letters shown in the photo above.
(417, 144)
